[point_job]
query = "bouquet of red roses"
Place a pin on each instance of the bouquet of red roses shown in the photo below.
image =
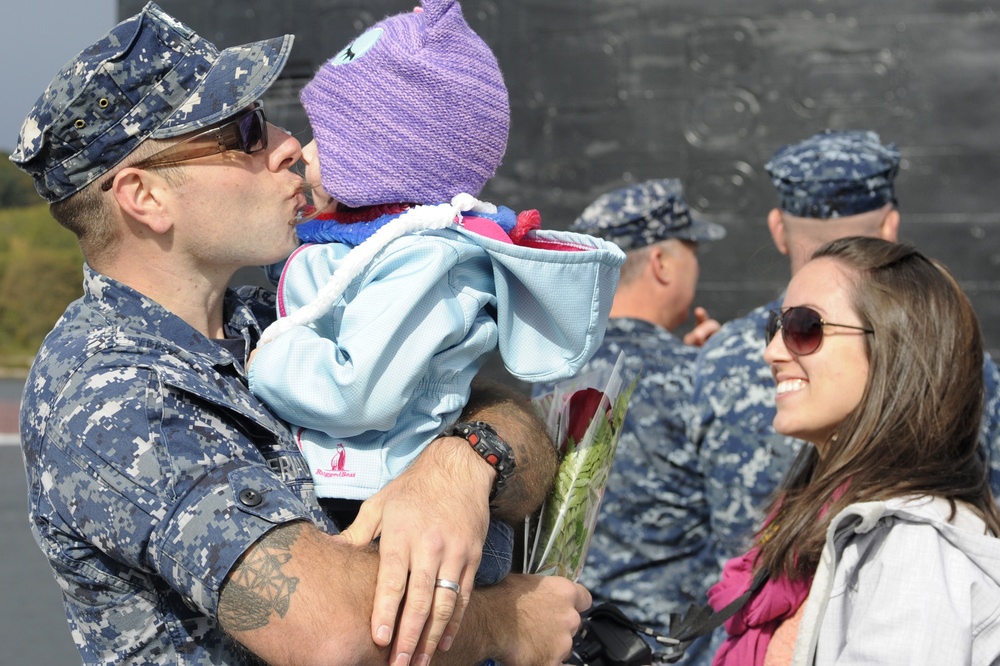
(584, 415)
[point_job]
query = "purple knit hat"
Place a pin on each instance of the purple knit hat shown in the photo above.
(414, 110)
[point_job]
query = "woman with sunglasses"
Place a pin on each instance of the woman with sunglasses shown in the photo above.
(880, 547)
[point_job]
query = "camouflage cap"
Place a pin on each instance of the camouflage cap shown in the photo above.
(151, 76)
(835, 174)
(645, 213)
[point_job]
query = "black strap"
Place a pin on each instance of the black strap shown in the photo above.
(703, 620)
(608, 637)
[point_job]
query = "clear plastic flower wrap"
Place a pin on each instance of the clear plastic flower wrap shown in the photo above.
(584, 415)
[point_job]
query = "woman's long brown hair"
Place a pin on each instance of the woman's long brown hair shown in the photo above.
(916, 429)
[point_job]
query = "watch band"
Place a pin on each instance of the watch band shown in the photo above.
(491, 446)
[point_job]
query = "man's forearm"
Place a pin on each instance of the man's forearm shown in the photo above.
(517, 421)
(303, 597)
(299, 596)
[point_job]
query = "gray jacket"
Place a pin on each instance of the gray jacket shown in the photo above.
(900, 583)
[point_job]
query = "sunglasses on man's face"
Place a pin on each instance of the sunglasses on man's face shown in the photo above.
(246, 133)
(801, 329)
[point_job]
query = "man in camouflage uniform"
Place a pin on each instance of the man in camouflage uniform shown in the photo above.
(832, 185)
(651, 553)
(175, 510)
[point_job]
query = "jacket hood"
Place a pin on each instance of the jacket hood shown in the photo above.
(966, 531)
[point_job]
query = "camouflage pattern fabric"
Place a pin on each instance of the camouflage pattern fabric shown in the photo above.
(744, 459)
(651, 553)
(989, 432)
(643, 214)
(835, 174)
(151, 469)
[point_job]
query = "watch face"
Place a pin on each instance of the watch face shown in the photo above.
(493, 449)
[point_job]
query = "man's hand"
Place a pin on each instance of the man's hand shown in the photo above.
(704, 328)
(541, 632)
(432, 522)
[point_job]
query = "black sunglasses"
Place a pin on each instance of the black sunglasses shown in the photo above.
(246, 133)
(801, 329)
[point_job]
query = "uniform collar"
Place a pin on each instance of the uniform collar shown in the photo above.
(136, 315)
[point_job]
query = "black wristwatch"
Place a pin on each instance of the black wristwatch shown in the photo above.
(487, 443)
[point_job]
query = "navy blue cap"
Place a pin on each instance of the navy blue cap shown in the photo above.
(151, 76)
(643, 214)
(835, 174)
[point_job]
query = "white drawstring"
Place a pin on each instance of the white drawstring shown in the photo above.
(418, 218)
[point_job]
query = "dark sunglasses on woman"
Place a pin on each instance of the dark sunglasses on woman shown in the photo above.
(246, 133)
(801, 329)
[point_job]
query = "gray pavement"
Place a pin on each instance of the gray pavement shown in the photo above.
(33, 628)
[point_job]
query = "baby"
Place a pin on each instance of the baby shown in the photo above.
(405, 283)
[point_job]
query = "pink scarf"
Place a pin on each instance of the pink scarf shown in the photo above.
(751, 628)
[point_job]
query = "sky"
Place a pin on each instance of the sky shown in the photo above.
(38, 37)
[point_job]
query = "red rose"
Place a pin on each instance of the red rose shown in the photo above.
(583, 405)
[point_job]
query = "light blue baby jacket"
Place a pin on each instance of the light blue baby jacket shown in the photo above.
(369, 384)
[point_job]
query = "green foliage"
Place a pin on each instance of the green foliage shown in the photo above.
(40, 274)
(16, 187)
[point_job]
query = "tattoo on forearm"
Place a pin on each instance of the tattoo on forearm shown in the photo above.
(257, 586)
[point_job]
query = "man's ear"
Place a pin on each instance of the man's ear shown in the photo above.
(776, 224)
(141, 196)
(660, 264)
(889, 230)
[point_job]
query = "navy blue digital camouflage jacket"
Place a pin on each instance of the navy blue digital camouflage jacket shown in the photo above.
(151, 468)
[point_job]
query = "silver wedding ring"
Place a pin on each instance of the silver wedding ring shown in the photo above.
(448, 585)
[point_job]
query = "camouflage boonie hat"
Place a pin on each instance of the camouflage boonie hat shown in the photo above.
(835, 174)
(150, 77)
(639, 215)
